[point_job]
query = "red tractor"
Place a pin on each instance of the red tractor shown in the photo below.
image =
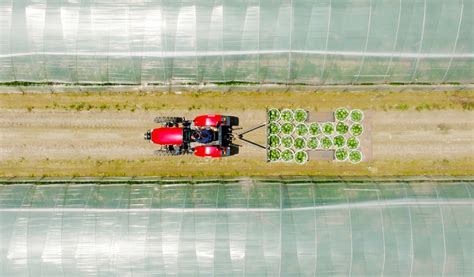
(205, 136)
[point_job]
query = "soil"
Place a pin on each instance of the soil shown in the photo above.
(60, 142)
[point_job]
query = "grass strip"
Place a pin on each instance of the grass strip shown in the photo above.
(317, 101)
(193, 166)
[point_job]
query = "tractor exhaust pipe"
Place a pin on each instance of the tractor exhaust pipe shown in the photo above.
(147, 135)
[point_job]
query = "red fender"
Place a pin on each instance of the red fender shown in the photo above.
(167, 136)
(212, 151)
(207, 120)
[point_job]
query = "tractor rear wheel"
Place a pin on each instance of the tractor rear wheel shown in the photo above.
(162, 152)
(166, 119)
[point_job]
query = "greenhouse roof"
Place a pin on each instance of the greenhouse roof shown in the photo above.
(196, 42)
(251, 226)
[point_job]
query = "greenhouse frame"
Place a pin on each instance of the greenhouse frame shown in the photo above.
(298, 226)
(171, 42)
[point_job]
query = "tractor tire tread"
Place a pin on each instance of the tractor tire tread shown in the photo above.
(164, 119)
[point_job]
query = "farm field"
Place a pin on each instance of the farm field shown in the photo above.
(81, 134)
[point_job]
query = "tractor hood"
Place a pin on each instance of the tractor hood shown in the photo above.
(173, 136)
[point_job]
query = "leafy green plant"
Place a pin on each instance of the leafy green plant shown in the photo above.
(274, 155)
(341, 154)
(287, 115)
(355, 156)
(300, 115)
(326, 143)
(328, 128)
(314, 129)
(313, 143)
(341, 114)
(301, 157)
(342, 128)
(273, 114)
(357, 129)
(300, 143)
(273, 128)
(274, 141)
(301, 129)
(402, 107)
(357, 115)
(102, 106)
(287, 155)
(287, 128)
(352, 143)
(339, 141)
(287, 141)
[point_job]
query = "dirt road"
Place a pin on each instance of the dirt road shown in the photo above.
(58, 142)
(97, 135)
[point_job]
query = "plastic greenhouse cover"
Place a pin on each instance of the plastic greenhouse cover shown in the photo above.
(302, 226)
(225, 41)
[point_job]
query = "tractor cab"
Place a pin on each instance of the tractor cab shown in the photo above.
(204, 135)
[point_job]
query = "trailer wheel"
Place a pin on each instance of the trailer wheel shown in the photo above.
(166, 119)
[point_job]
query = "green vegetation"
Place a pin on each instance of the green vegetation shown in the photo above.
(274, 155)
(287, 115)
(326, 143)
(287, 128)
(342, 128)
(355, 156)
(352, 143)
(341, 114)
(273, 114)
(313, 143)
(339, 141)
(301, 129)
(468, 106)
(186, 166)
(287, 155)
(356, 129)
(300, 143)
(314, 129)
(301, 157)
(357, 115)
(273, 141)
(241, 100)
(402, 107)
(335, 134)
(287, 141)
(328, 128)
(300, 115)
(274, 128)
(341, 154)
